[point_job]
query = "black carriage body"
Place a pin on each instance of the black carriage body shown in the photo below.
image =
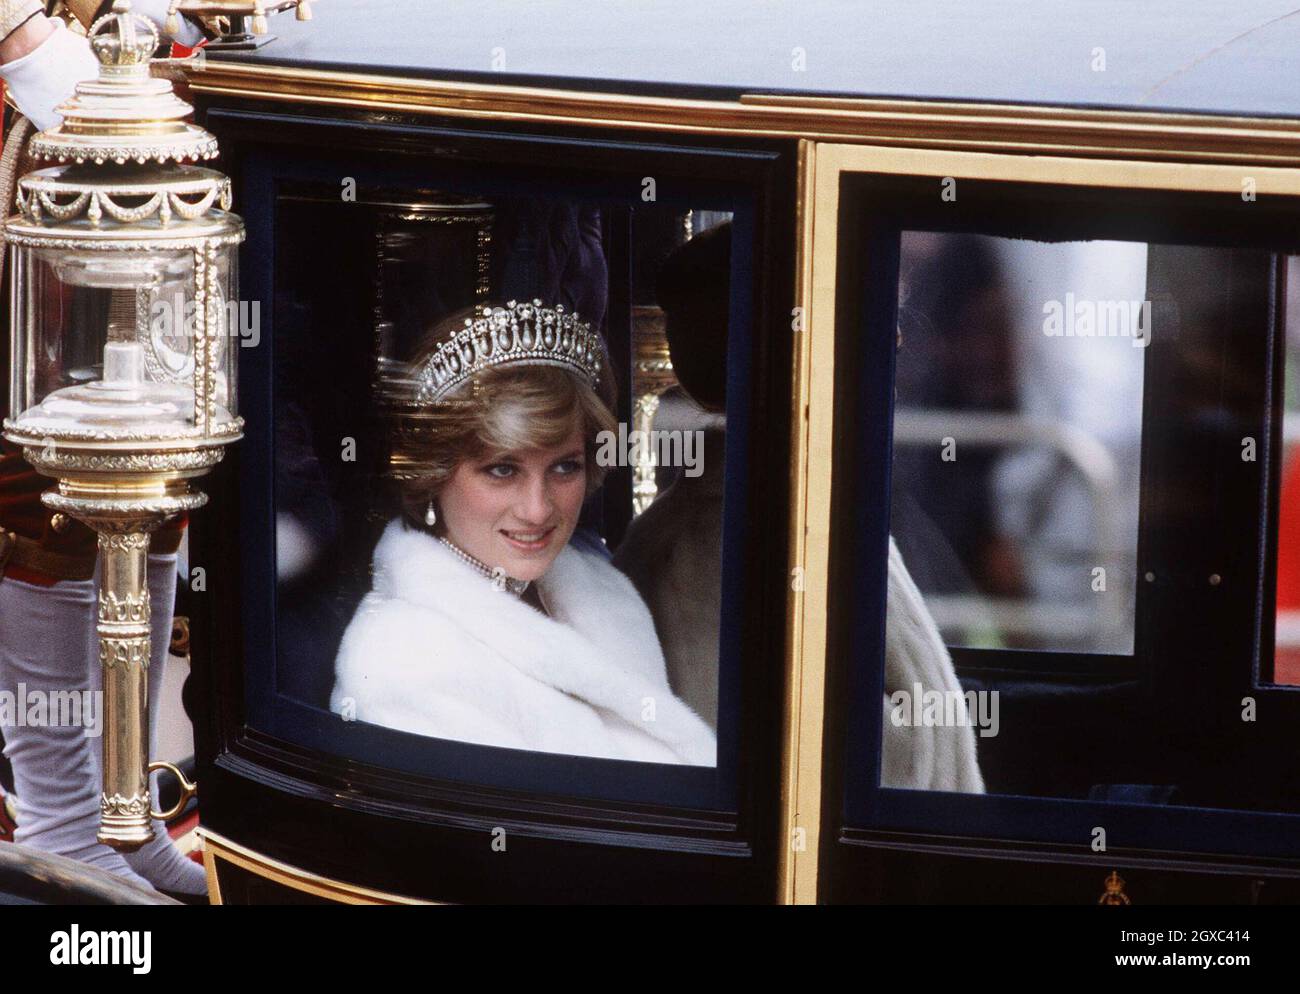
(771, 130)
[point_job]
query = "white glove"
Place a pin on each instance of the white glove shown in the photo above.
(48, 74)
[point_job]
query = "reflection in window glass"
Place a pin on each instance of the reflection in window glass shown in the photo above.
(1028, 408)
(1017, 437)
(1286, 640)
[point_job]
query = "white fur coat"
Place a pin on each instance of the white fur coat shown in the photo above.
(436, 650)
(918, 756)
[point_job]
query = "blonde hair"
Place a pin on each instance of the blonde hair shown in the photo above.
(508, 408)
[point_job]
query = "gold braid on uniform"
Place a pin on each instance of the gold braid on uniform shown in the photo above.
(86, 12)
(82, 12)
(15, 13)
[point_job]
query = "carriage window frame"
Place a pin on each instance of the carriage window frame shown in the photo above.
(705, 176)
(703, 788)
(852, 808)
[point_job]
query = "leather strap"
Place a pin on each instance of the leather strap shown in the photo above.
(20, 551)
(17, 550)
(86, 11)
(164, 543)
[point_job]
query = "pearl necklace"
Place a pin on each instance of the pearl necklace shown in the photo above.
(497, 575)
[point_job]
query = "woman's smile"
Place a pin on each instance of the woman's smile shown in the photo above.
(529, 541)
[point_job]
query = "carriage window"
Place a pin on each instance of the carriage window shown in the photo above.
(1017, 437)
(501, 524)
(1085, 440)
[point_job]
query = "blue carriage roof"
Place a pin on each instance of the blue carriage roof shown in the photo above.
(1207, 56)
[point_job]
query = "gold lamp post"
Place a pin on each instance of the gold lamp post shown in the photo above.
(123, 373)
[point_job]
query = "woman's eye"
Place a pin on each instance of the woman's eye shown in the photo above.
(568, 467)
(500, 470)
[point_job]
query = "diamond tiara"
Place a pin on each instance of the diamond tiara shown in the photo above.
(527, 334)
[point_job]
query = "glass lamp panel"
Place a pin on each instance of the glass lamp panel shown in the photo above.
(104, 340)
(238, 325)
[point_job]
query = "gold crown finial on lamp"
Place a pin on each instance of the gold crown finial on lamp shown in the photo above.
(117, 38)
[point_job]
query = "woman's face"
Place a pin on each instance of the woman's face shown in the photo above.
(517, 510)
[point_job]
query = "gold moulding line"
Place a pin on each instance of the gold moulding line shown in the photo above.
(989, 127)
(809, 525)
(163, 485)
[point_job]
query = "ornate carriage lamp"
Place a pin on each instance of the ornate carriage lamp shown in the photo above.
(123, 374)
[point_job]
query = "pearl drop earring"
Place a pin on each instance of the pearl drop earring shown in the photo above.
(430, 515)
